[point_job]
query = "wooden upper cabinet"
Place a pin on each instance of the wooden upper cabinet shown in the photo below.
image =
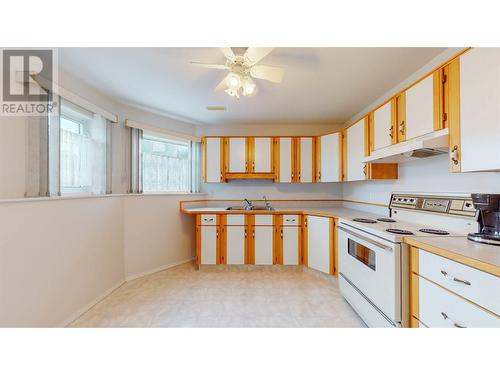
(262, 155)
(294, 159)
(305, 165)
(248, 158)
(284, 163)
(419, 110)
(355, 145)
(237, 155)
(474, 110)
(329, 154)
(213, 160)
(382, 126)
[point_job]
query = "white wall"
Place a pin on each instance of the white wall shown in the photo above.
(156, 234)
(269, 129)
(57, 257)
(255, 189)
(426, 175)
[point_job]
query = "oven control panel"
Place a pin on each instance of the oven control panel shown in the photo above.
(461, 206)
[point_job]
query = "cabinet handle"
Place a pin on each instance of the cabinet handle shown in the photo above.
(461, 281)
(246, 234)
(364, 169)
(319, 175)
(445, 317)
(282, 234)
(292, 176)
(402, 127)
(454, 154)
(217, 234)
(253, 234)
(444, 273)
(390, 132)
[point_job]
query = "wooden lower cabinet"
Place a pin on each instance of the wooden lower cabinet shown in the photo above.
(319, 244)
(290, 245)
(262, 237)
(448, 294)
(234, 247)
(267, 240)
(208, 244)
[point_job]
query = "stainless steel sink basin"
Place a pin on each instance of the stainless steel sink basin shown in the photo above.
(254, 208)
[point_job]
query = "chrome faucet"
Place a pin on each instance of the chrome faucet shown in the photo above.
(248, 205)
(268, 205)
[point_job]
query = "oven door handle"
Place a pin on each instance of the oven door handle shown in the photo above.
(369, 240)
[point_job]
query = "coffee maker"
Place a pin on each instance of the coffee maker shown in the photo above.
(488, 206)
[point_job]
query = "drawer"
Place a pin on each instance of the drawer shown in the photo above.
(235, 219)
(440, 308)
(291, 220)
(208, 220)
(263, 219)
(477, 286)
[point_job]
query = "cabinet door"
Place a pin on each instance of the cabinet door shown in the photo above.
(209, 238)
(306, 159)
(263, 244)
(237, 155)
(420, 108)
(382, 126)
(330, 147)
(356, 151)
(318, 243)
(212, 159)
(479, 148)
(285, 161)
(235, 244)
(290, 245)
(262, 155)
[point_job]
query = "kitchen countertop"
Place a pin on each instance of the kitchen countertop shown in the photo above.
(481, 256)
(335, 212)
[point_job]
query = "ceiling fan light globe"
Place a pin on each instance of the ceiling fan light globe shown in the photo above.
(249, 88)
(233, 81)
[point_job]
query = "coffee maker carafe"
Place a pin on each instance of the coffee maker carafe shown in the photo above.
(488, 206)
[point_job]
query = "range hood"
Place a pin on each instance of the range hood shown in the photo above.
(432, 144)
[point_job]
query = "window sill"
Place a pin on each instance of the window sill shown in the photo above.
(89, 196)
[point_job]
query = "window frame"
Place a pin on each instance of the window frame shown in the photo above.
(161, 138)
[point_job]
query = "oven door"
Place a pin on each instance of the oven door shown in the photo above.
(372, 265)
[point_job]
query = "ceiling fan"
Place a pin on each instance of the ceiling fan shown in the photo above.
(242, 64)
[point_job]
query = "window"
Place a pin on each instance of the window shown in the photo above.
(166, 164)
(83, 151)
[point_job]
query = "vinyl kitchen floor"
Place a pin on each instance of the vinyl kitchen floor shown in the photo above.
(263, 297)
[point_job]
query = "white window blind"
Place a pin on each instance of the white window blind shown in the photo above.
(166, 164)
(83, 151)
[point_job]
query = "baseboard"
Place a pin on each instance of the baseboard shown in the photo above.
(161, 268)
(88, 306)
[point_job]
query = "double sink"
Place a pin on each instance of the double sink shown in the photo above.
(250, 208)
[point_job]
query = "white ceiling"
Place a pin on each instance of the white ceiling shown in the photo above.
(321, 85)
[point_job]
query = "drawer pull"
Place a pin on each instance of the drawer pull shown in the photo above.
(456, 279)
(290, 220)
(208, 219)
(461, 281)
(445, 316)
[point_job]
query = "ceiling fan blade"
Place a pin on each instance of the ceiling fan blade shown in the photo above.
(269, 73)
(210, 66)
(255, 54)
(222, 84)
(228, 52)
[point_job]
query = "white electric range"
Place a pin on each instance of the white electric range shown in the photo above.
(374, 261)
